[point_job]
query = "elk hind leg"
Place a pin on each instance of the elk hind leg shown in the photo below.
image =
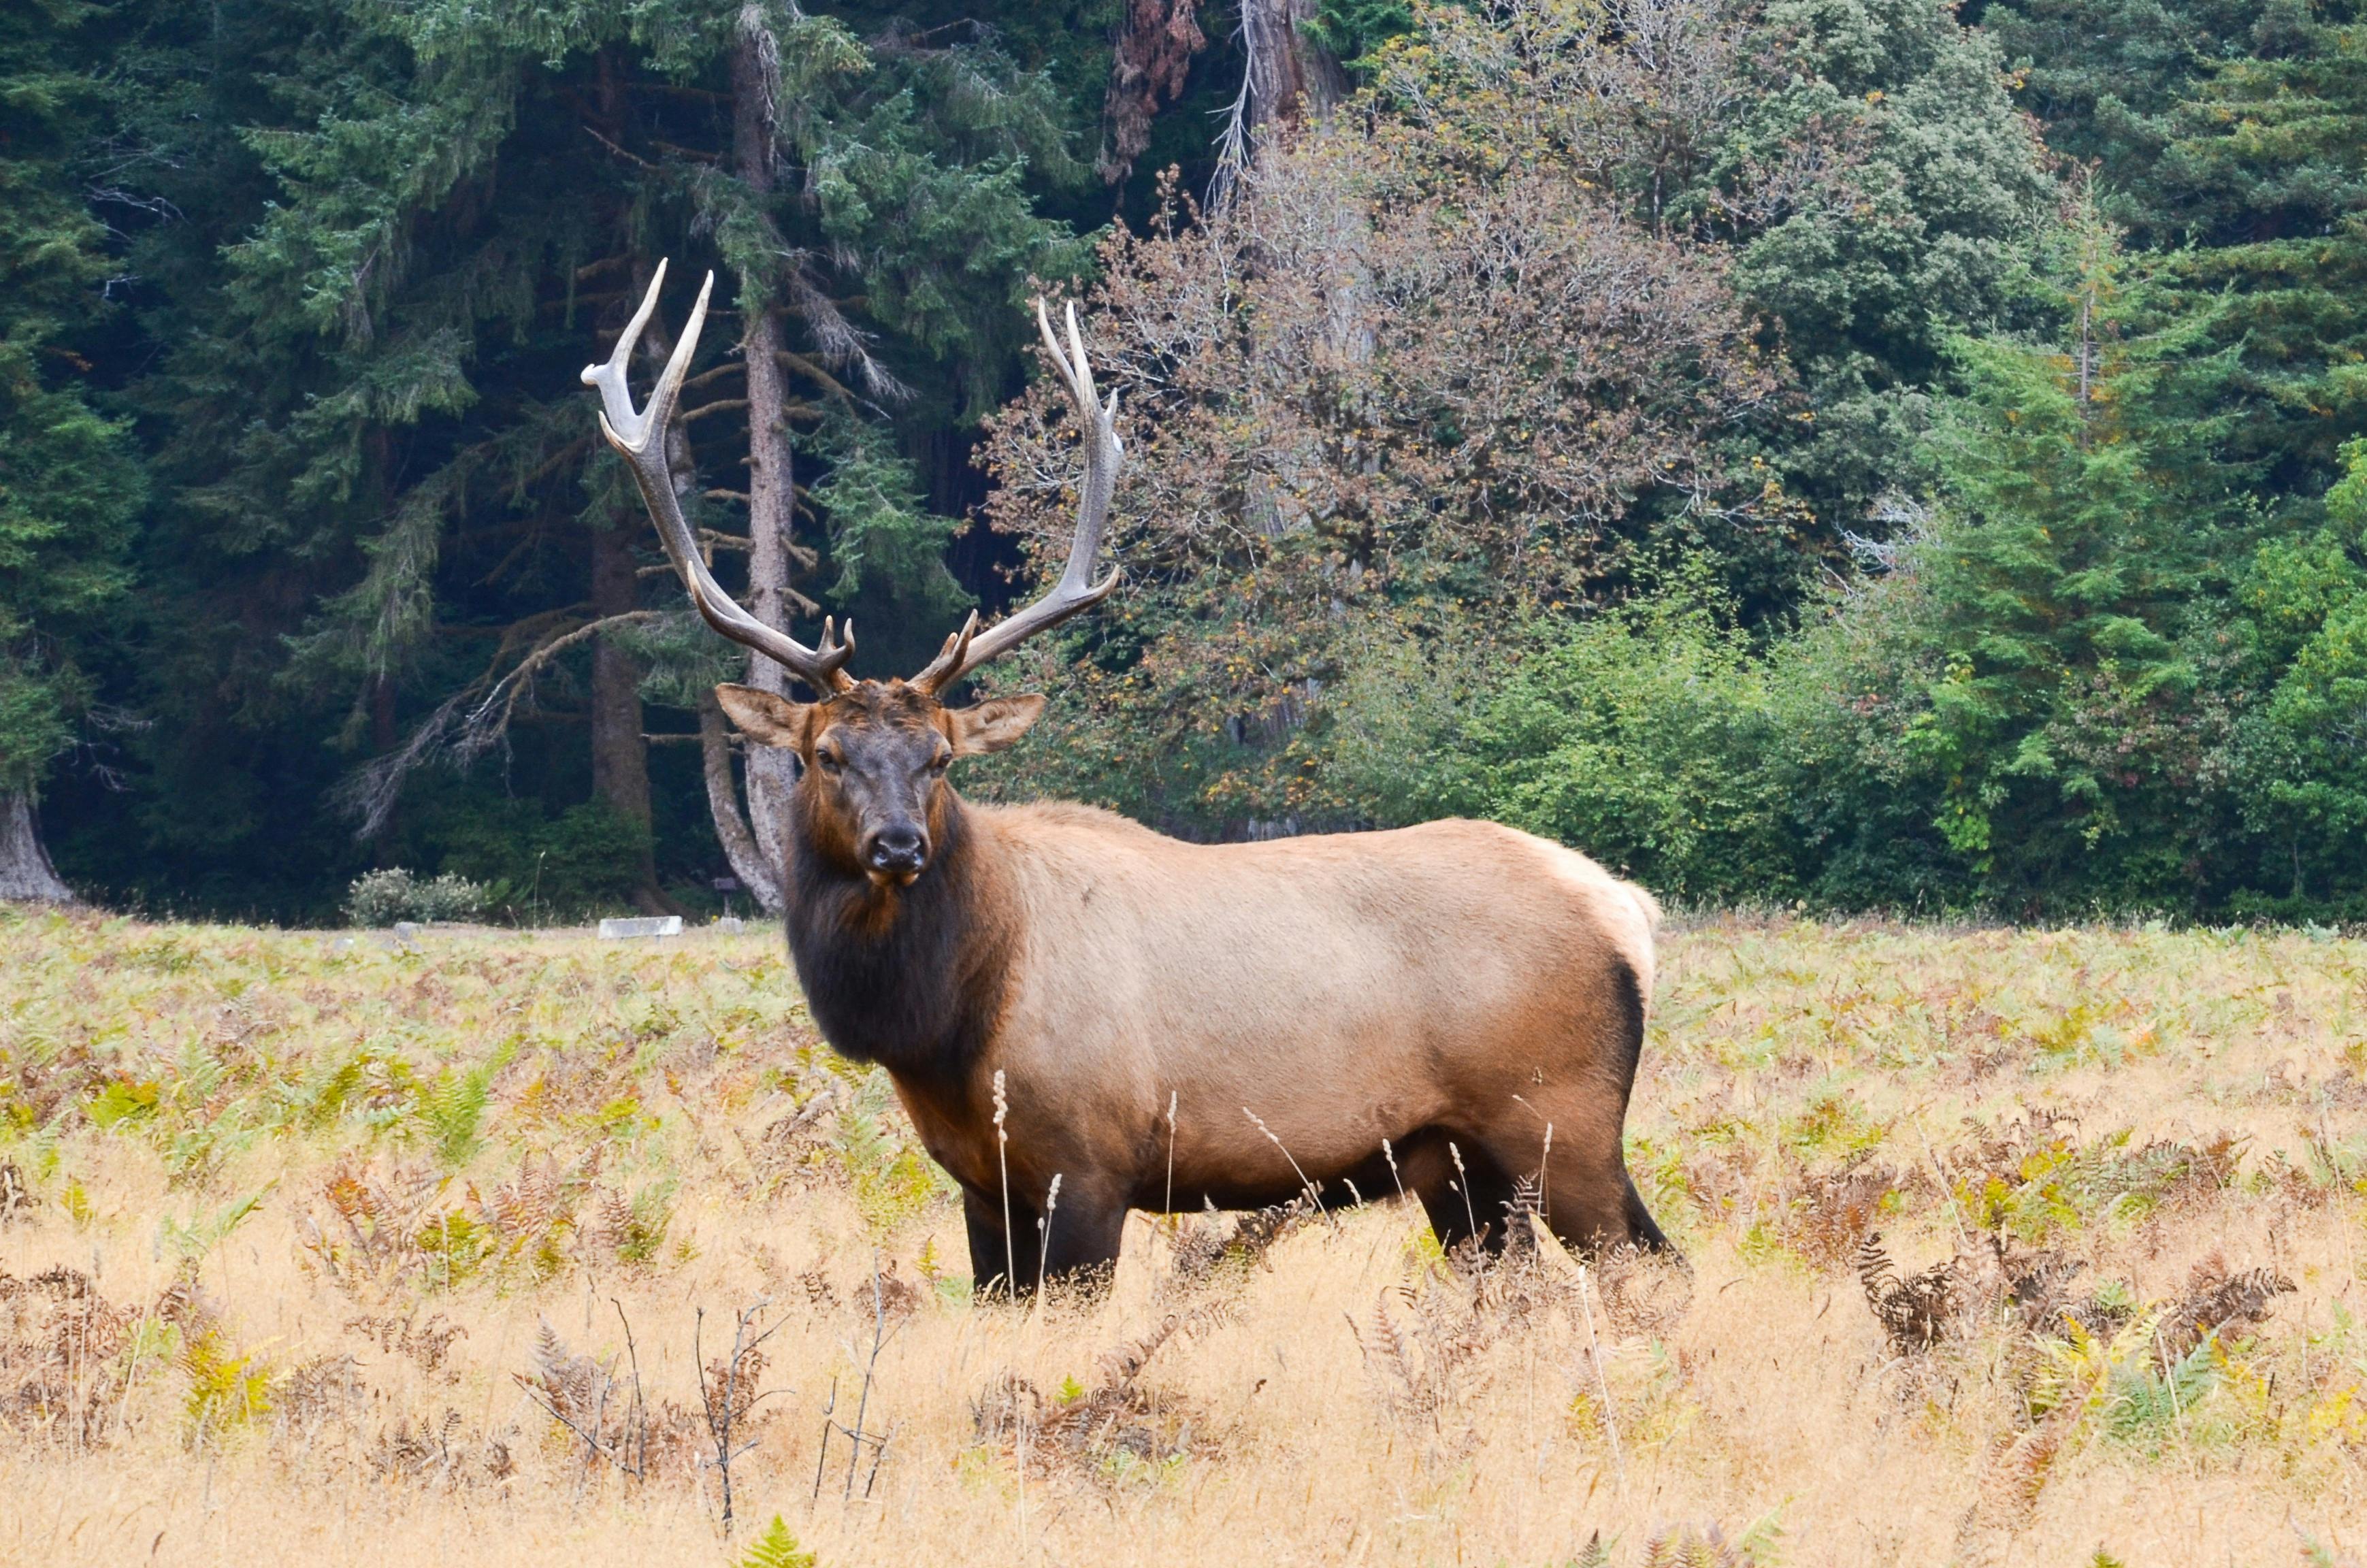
(1588, 1200)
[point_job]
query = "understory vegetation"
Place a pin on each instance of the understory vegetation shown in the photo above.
(485, 1246)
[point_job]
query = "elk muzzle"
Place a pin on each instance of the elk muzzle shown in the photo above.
(895, 851)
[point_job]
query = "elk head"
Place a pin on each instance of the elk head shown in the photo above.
(875, 753)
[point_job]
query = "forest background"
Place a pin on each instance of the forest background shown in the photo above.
(1858, 454)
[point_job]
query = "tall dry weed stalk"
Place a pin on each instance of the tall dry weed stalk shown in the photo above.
(729, 1389)
(883, 1326)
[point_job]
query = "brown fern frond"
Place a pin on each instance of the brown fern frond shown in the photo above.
(1203, 1250)
(1914, 1310)
(2216, 1302)
(1686, 1547)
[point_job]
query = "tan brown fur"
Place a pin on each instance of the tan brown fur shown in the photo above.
(1342, 989)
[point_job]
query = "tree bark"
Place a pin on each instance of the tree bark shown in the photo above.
(772, 462)
(26, 874)
(754, 867)
(620, 758)
(1292, 77)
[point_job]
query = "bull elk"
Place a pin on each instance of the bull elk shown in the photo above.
(1434, 1010)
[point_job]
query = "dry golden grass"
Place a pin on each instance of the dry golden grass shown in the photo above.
(343, 1221)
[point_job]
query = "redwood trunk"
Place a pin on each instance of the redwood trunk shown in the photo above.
(1292, 77)
(24, 869)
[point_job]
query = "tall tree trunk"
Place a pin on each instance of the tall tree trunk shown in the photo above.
(1291, 77)
(385, 739)
(772, 464)
(757, 870)
(620, 758)
(24, 869)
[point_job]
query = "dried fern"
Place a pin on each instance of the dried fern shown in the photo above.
(2216, 1302)
(1206, 1249)
(1914, 1310)
(1594, 1555)
(1685, 1548)
(1117, 1425)
(63, 1358)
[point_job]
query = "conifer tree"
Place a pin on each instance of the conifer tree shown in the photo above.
(2106, 77)
(466, 198)
(70, 485)
(2266, 178)
(2067, 718)
(2301, 753)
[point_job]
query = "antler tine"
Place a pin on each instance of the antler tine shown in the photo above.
(1081, 366)
(639, 437)
(1076, 591)
(616, 392)
(937, 675)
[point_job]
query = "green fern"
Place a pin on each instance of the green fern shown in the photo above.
(776, 1548)
(453, 1107)
(1762, 1541)
(2321, 1556)
(225, 1390)
(651, 1216)
(205, 1232)
(893, 1179)
(456, 1243)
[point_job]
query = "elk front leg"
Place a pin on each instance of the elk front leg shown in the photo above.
(1079, 1245)
(999, 1259)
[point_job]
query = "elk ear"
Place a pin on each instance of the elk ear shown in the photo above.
(994, 725)
(767, 720)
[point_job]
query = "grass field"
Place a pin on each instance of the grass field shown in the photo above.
(330, 1248)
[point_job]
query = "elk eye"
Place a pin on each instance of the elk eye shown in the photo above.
(940, 762)
(830, 761)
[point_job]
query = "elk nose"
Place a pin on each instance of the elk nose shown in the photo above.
(900, 848)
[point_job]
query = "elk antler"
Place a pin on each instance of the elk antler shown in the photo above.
(1097, 423)
(641, 440)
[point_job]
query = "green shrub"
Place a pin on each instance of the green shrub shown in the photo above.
(2298, 762)
(381, 898)
(577, 864)
(1647, 738)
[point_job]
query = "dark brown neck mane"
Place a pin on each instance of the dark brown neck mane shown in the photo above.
(911, 978)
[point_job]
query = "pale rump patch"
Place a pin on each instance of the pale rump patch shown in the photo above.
(1624, 913)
